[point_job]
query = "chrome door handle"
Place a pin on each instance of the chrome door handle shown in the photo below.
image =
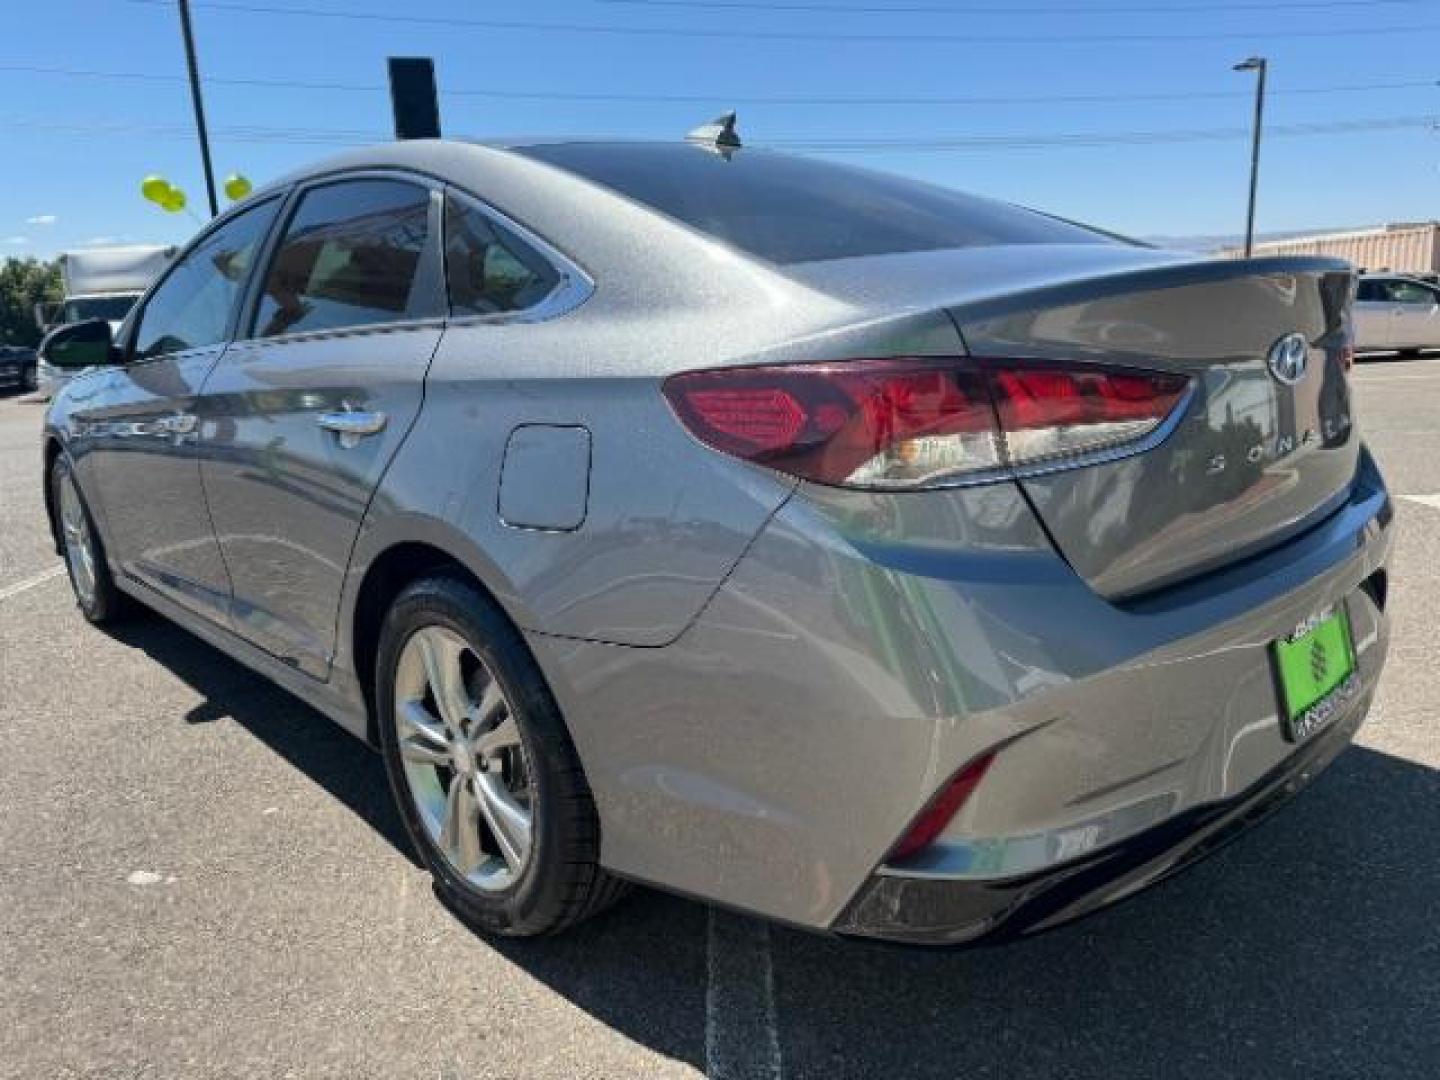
(352, 425)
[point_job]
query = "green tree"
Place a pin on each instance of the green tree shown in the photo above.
(23, 284)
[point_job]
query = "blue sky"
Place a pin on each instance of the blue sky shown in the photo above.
(76, 146)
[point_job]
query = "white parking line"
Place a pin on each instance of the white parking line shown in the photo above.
(1432, 501)
(9, 591)
(741, 1039)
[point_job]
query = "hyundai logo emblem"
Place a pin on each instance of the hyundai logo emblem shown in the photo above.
(1287, 358)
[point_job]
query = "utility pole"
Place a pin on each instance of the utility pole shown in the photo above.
(1259, 65)
(198, 103)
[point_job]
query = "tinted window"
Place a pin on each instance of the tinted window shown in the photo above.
(1370, 290)
(487, 267)
(1411, 292)
(787, 209)
(193, 304)
(352, 255)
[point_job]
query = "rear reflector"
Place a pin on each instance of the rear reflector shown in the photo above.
(915, 423)
(942, 809)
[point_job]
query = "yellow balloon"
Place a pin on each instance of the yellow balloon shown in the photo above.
(237, 187)
(174, 201)
(155, 188)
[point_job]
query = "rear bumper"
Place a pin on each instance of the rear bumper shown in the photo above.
(867, 647)
(948, 912)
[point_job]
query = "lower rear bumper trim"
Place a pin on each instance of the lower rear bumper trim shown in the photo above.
(951, 912)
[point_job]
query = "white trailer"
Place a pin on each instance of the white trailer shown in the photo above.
(103, 283)
(100, 283)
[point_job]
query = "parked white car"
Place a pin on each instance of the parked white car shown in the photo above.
(1396, 313)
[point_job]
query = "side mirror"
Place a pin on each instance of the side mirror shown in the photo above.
(79, 345)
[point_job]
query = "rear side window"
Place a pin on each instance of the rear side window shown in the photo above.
(1411, 292)
(192, 306)
(353, 254)
(488, 269)
(788, 209)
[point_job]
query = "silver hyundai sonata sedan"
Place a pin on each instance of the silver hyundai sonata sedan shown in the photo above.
(841, 549)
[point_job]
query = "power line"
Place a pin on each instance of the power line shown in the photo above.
(1103, 139)
(808, 36)
(734, 99)
(354, 136)
(968, 11)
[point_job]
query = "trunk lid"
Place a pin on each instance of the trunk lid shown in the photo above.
(1259, 452)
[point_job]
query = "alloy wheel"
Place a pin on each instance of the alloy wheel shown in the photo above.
(79, 544)
(465, 765)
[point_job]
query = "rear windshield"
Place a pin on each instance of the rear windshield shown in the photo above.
(788, 209)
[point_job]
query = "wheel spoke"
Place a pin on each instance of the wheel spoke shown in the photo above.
(441, 657)
(502, 736)
(508, 820)
(460, 833)
(422, 737)
(492, 701)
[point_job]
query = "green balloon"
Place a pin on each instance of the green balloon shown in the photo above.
(155, 188)
(237, 187)
(174, 201)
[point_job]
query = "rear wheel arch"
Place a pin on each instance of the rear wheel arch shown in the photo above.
(386, 576)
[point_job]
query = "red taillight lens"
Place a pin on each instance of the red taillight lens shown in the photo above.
(1052, 413)
(942, 809)
(912, 423)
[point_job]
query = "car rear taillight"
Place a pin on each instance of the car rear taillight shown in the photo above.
(941, 810)
(916, 423)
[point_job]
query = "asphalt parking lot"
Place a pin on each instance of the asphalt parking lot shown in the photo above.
(201, 877)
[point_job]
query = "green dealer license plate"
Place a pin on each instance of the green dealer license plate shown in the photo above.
(1316, 672)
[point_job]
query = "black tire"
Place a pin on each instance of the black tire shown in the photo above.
(106, 605)
(562, 882)
(30, 380)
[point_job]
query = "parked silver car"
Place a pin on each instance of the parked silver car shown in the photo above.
(1396, 313)
(839, 548)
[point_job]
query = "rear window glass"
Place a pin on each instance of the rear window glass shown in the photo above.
(788, 209)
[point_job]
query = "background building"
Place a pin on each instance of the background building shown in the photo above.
(1411, 247)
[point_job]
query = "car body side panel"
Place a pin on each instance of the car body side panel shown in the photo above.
(769, 756)
(1373, 321)
(666, 518)
(287, 496)
(1417, 326)
(144, 469)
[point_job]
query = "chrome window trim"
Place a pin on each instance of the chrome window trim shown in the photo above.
(358, 330)
(574, 287)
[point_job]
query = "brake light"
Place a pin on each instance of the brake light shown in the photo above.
(915, 423)
(942, 809)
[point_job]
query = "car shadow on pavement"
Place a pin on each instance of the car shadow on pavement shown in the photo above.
(338, 762)
(1310, 947)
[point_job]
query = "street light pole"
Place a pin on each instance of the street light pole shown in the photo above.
(1259, 65)
(198, 103)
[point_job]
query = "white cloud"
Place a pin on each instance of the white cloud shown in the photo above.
(42, 219)
(15, 240)
(101, 241)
